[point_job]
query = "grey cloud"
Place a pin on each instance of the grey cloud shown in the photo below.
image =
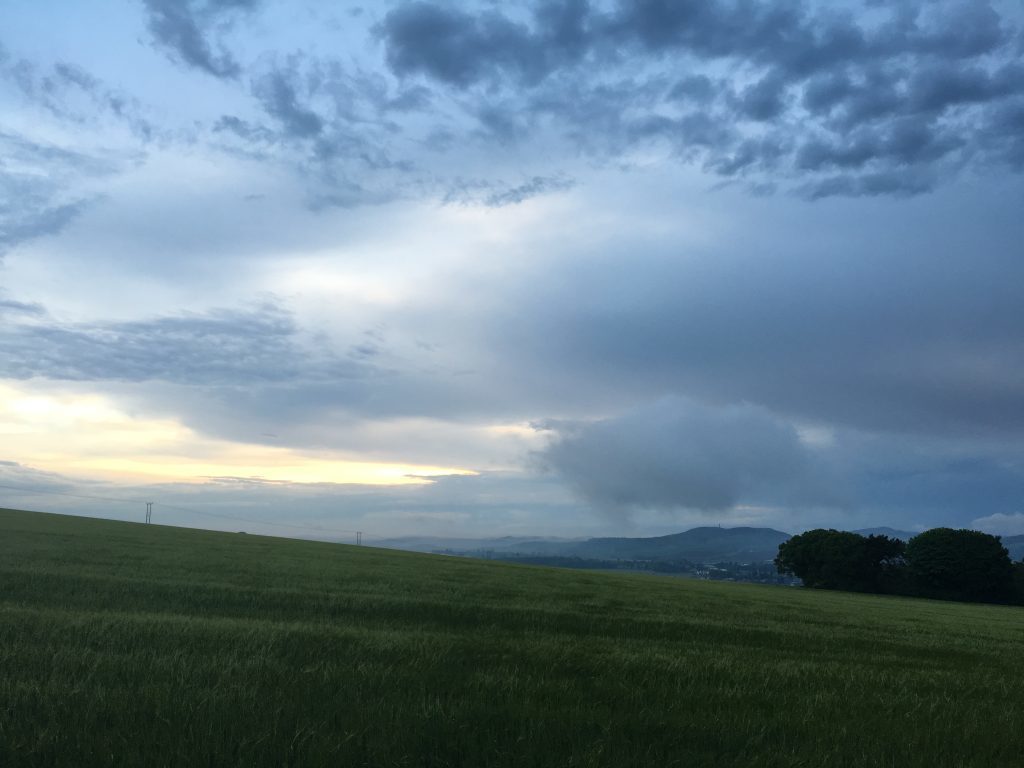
(936, 88)
(962, 29)
(893, 183)
(764, 153)
(72, 94)
(938, 482)
(476, 505)
(11, 307)
(875, 95)
(538, 185)
(281, 101)
(823, 92)
(1003, 133)
(25, 477)
(20, 224)
(253, 134)
(181, 26)
(900, 97)
(674, 454)
(242, 373)
(332, 125)
(905, 142)
(461, 48)
(497, 195)
(768, 33)
(222, 348)
(345, 194)
(412, 99)
(38, 188)
(451, 45)
(697, 88)
(898, 322)
(765, 99)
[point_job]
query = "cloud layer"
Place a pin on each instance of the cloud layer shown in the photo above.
(829, 103)
(745, 261)
(673, 454)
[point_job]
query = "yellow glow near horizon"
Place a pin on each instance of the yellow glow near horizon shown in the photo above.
(87, 434)
(293, 468)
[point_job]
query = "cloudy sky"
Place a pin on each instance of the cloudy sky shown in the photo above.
(564, 267)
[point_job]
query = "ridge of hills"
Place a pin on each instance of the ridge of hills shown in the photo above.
(699, 545)
(706, 544)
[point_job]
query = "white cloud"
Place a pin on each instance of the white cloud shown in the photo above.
(1000, 524)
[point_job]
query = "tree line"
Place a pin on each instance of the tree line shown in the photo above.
(942, 563)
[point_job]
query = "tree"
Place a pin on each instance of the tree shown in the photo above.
(830, 559)
(1018, 583)
(960, 565)
(884, 559)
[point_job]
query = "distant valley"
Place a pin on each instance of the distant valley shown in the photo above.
(704, 545)
(698, 546)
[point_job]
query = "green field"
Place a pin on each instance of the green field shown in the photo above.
(134, 645)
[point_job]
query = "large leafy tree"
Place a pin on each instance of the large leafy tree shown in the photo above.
(830, 559)
(960, 565)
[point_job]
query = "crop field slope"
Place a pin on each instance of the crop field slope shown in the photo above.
(135, 645)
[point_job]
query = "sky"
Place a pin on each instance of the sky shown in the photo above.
(543, 267)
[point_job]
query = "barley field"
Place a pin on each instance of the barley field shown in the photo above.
(142, 645)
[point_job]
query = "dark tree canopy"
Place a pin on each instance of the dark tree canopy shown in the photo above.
(960, 565)
(830, 559)
(941, 563)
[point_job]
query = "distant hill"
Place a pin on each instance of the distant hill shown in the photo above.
(526, 544)
(699, 545)
(1015, 546)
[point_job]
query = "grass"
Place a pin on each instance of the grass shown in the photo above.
(131, 645)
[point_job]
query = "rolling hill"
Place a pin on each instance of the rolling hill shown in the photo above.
(128, 644)
(1015, 546)
(699, 545)
(706, 545)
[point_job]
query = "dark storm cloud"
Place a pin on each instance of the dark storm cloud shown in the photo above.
(183, 27)
(1004, 133)
(907, 95)
(673, 454)
(941, 482)
(461, 48)
(900, 321)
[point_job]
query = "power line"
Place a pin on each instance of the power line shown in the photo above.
(151, 504)
(260, 522)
